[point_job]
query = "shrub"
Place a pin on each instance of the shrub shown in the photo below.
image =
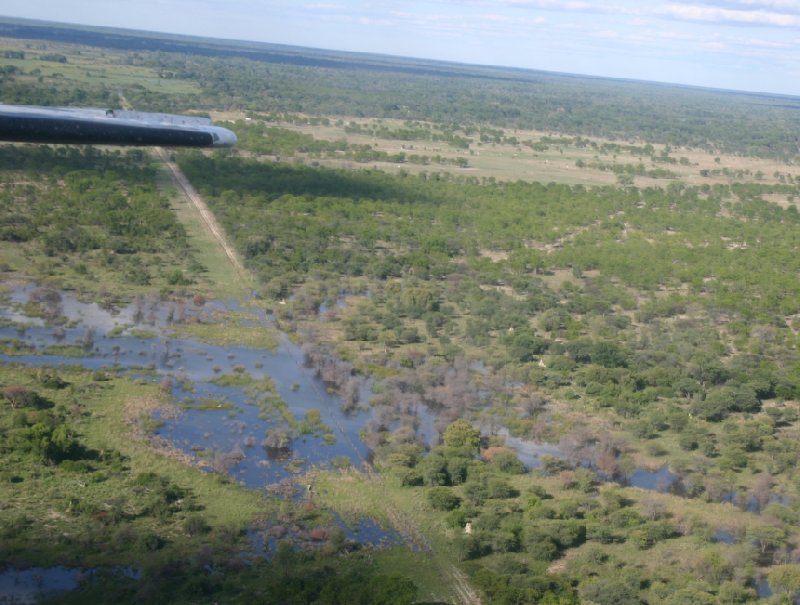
(443, 498)
(195, 525)
(507, 462)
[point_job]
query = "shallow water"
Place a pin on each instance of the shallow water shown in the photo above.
(214, 433)
(660, 480)
(530, 452)
(28, 585)
(31, 584)
(724, 537)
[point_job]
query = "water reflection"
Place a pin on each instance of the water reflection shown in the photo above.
(724, 537)
(136, 339)
(660, 480)
(530, 453)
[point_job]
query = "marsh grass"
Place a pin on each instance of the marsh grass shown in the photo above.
(427, 553)
(96, 511)
(228, 333)
(233, 380)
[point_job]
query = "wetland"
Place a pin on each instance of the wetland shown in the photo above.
(471, 357)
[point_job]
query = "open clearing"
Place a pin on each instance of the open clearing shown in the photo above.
(561, 162)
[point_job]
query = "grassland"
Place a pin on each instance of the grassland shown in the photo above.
(544, 156)
(88, 66)
(427, 554)
(219, 279)
(90, 511)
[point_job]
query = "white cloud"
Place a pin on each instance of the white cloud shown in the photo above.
(558, 5)
(775, 5)
(549, 5)
(713, 14)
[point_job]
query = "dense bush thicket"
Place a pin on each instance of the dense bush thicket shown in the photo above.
(95, 212)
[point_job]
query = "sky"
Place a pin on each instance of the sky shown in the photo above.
(751, 45)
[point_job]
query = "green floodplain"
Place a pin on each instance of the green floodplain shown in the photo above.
(604, 270)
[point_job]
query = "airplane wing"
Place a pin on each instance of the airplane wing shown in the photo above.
(24, 123)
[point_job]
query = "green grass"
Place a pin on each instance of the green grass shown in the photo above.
(66, 350)
(356, 495)
(142, 334)
(224, 334)
(207, 404)
(52, 514)
(220, 279)
(233, 380)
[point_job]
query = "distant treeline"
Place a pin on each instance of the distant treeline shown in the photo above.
(257, 76)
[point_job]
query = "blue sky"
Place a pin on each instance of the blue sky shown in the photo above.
(734, 44)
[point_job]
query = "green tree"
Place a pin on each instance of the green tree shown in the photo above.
(733, 593)
(462, 434)
(785, 578)
(611, 590)
(443, 498)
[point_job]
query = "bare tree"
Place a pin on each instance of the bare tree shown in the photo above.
(88, 339)
(278, 439)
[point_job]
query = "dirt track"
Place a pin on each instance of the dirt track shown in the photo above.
(208, 217)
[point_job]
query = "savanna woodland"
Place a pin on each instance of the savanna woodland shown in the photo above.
(543, 334)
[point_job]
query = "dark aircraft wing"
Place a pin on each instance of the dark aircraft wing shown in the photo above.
(23, 123)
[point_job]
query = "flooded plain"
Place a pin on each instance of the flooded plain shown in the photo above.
(259, 415)
(236, 402)
(229, 400)
(230, 396)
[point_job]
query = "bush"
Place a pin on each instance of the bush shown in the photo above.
(443, 498)
(434, 470)
(456, 518)
(411, 477)
(462, 434)
(498, 487)
(611, 591)
(540, 548)
(507, 462)
(151, 542)
(195, 525)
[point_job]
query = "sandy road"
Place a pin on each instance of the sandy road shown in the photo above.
(209, 220)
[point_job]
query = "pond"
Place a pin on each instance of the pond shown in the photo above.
(29, 585)
(764, 591)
